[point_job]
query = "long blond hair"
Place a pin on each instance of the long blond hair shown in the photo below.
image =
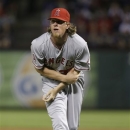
(71, 30)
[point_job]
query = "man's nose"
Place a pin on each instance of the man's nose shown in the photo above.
(55, 23)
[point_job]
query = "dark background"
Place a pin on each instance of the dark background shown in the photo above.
(104, 24)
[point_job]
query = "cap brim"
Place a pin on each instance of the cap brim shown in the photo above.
(57, 18)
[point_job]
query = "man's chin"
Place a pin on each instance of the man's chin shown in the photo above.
(56, 35)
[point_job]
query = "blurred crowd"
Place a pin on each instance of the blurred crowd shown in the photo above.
(104, 24)
(7, 21)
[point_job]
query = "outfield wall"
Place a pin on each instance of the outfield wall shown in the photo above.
(107, 85)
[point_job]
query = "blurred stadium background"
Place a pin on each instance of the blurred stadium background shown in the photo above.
(104, 24)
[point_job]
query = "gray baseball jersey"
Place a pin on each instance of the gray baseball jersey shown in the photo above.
(74, 53)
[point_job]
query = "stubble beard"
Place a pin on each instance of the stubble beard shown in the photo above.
(56, 35)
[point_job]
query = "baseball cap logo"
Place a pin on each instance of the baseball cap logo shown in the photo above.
(61, 14)
(57, 13)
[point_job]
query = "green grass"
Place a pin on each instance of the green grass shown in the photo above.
(89, 119)
(26, 119)
(105, 119)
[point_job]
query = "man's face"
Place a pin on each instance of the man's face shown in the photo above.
(58, 27)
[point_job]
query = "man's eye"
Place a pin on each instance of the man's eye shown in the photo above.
(53, 21)
(60, 22)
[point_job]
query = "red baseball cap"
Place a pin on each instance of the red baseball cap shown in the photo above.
(61, 14)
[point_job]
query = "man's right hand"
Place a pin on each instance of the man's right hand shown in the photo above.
(72, 76)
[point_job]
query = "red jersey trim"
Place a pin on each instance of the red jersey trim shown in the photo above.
(37, 67)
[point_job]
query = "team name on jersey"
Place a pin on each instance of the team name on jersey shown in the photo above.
(62, 61)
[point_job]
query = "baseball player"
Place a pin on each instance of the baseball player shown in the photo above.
(60, 56)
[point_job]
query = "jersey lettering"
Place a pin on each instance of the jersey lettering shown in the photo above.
(69, 63)
(63, 61)
(34, 57)
(58, 60)
(51, 61)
